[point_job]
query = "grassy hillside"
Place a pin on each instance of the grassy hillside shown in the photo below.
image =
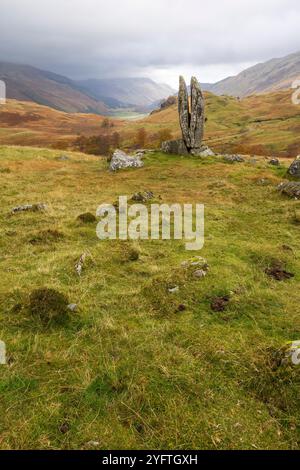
(26, 83)
(132, 368)
(263, 125)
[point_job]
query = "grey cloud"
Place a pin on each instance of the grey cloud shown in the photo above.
(126, 37)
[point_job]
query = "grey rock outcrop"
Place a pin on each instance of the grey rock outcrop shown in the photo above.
(29, 208)
(121, 160)
(290, 188)
(294, 169)
(191, 119)
(274, 162)
(176, 147)
(203, 151)
(233, 158)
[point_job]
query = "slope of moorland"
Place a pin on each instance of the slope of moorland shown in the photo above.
(26, 83)
(100, 96)
(263, 125)
(273, 75)
(137, 367)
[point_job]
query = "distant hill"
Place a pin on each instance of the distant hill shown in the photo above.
(130, 92)
(273, 75)
(26, 83)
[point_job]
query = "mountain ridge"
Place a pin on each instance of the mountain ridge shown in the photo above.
(27, 83)
(265, 77)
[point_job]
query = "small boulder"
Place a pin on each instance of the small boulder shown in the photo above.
(72, 307)
(203, 152)
(200, 273)
(121, 160)
(290, 188)
(274, 162)
(173, 290)
(196, 262)
(143, 196)
(175, 147)
(63, 158)
(233, 159)
(29, 208)
(294, 169)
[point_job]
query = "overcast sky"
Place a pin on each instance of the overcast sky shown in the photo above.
(156, 38)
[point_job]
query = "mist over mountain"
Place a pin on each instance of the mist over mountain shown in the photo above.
(137, 92)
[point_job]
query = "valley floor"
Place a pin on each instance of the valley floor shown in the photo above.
(129, 369)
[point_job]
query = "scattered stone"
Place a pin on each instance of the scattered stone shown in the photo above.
(121, 160)
(48, 304)
(29, 208)
(175, 147)
(140, 153)
(294, 169)
(93, 444)
(288, 355)
(80, 263)
(277, 272)
(200, 273)
(143, 197)
(63, 158)
(219, 304)
(87, 218)
(72, 307)
(204, 151)
(233, 158)
(173, 290)
(197, 261)
(274, 161)
(263, 182)
(290, 188)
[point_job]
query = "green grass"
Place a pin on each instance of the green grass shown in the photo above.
(127, 369)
